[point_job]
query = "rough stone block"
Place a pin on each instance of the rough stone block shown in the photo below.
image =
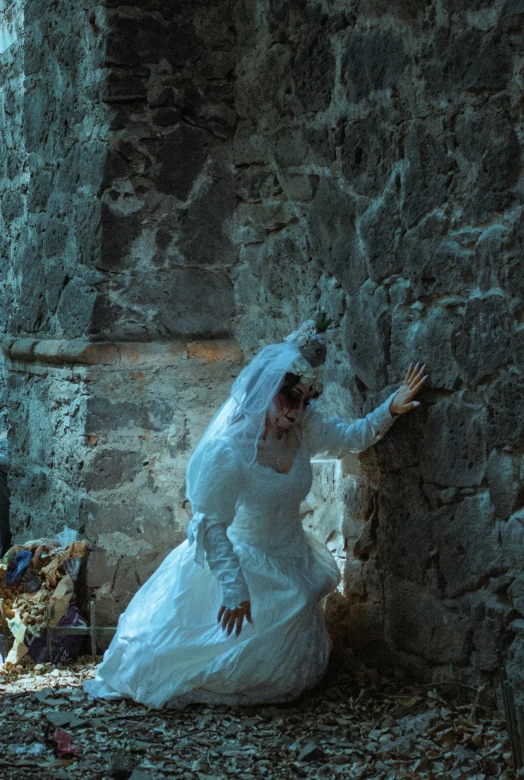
(299, 188)
(191, 302)
(401, 447)
(40, 186)
(31, 311)
(454, 451)
(472, 61)
(313, 69)
(366, 332)
(118, 233)
(55, 236)
(104, 415)
(492, 150)
(424, 336)
(482, 342)
(512, 16)
(490, 618)
(505, 411)
(99, 570)
(333, 235)
(112, 468)
(181, 157)
(424, 176)
(418, 622)
(372, 60)
(202, 238)
(254, 183)
(505, 488)
(88, 230)
(512, 540)
(39, 115)
(290, 146)
(165, 117)
(124, 88)
(404, 533)
(82, 167)
(516, 593)
(296, 275)
(76, 307)
(380, 230)
(36, 51)
(499, 253)
(12, 206)
(467, 539)
(135, 40)
(437, 267)
(249, 146)
(370, 150)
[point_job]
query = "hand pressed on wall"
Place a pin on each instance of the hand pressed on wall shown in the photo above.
(413, 383)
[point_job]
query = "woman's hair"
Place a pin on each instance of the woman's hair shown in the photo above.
(287, 386)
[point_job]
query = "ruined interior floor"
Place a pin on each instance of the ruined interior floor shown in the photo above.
(356, 725)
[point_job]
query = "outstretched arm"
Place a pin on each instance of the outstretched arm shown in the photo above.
(337, 438)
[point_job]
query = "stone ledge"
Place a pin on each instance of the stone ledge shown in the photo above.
(56, 352)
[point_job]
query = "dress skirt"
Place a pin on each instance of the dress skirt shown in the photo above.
(170, 650)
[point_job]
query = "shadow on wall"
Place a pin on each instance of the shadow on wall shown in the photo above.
(5, 530)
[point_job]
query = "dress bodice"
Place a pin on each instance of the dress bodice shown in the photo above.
(267, 514)
(249, 504)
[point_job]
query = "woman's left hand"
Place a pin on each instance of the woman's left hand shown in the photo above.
(414, 381)
(234, 618)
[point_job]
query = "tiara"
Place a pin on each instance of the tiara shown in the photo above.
(311, 338)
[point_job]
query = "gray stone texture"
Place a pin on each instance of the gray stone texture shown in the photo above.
(221, 169)
(413, 239)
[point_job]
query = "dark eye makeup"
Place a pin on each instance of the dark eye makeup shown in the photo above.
(294, 397)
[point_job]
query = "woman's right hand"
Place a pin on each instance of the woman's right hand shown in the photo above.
(234, 618)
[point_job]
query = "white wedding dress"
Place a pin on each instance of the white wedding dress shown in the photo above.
(169, 648)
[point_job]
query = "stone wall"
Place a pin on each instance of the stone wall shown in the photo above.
(105, 431)
(54, 124)
(114, 274)
(165, 247)
(13, 174)
(378, 158)
(218, 172)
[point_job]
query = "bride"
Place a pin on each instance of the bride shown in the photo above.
(234, 614)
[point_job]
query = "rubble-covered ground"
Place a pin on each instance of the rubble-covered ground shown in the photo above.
(357, 726)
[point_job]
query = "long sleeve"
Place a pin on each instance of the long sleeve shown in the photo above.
(213, 506)
(337, 438)
(225, 566)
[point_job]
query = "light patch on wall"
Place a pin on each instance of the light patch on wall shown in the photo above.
(8, 34)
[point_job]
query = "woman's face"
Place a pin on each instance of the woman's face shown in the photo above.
(288, 406)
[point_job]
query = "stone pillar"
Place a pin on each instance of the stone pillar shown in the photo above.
(13, 172)
(119, 344)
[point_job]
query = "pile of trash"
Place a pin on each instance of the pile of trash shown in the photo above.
(37, 587)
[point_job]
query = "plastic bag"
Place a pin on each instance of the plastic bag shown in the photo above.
(72, 565)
